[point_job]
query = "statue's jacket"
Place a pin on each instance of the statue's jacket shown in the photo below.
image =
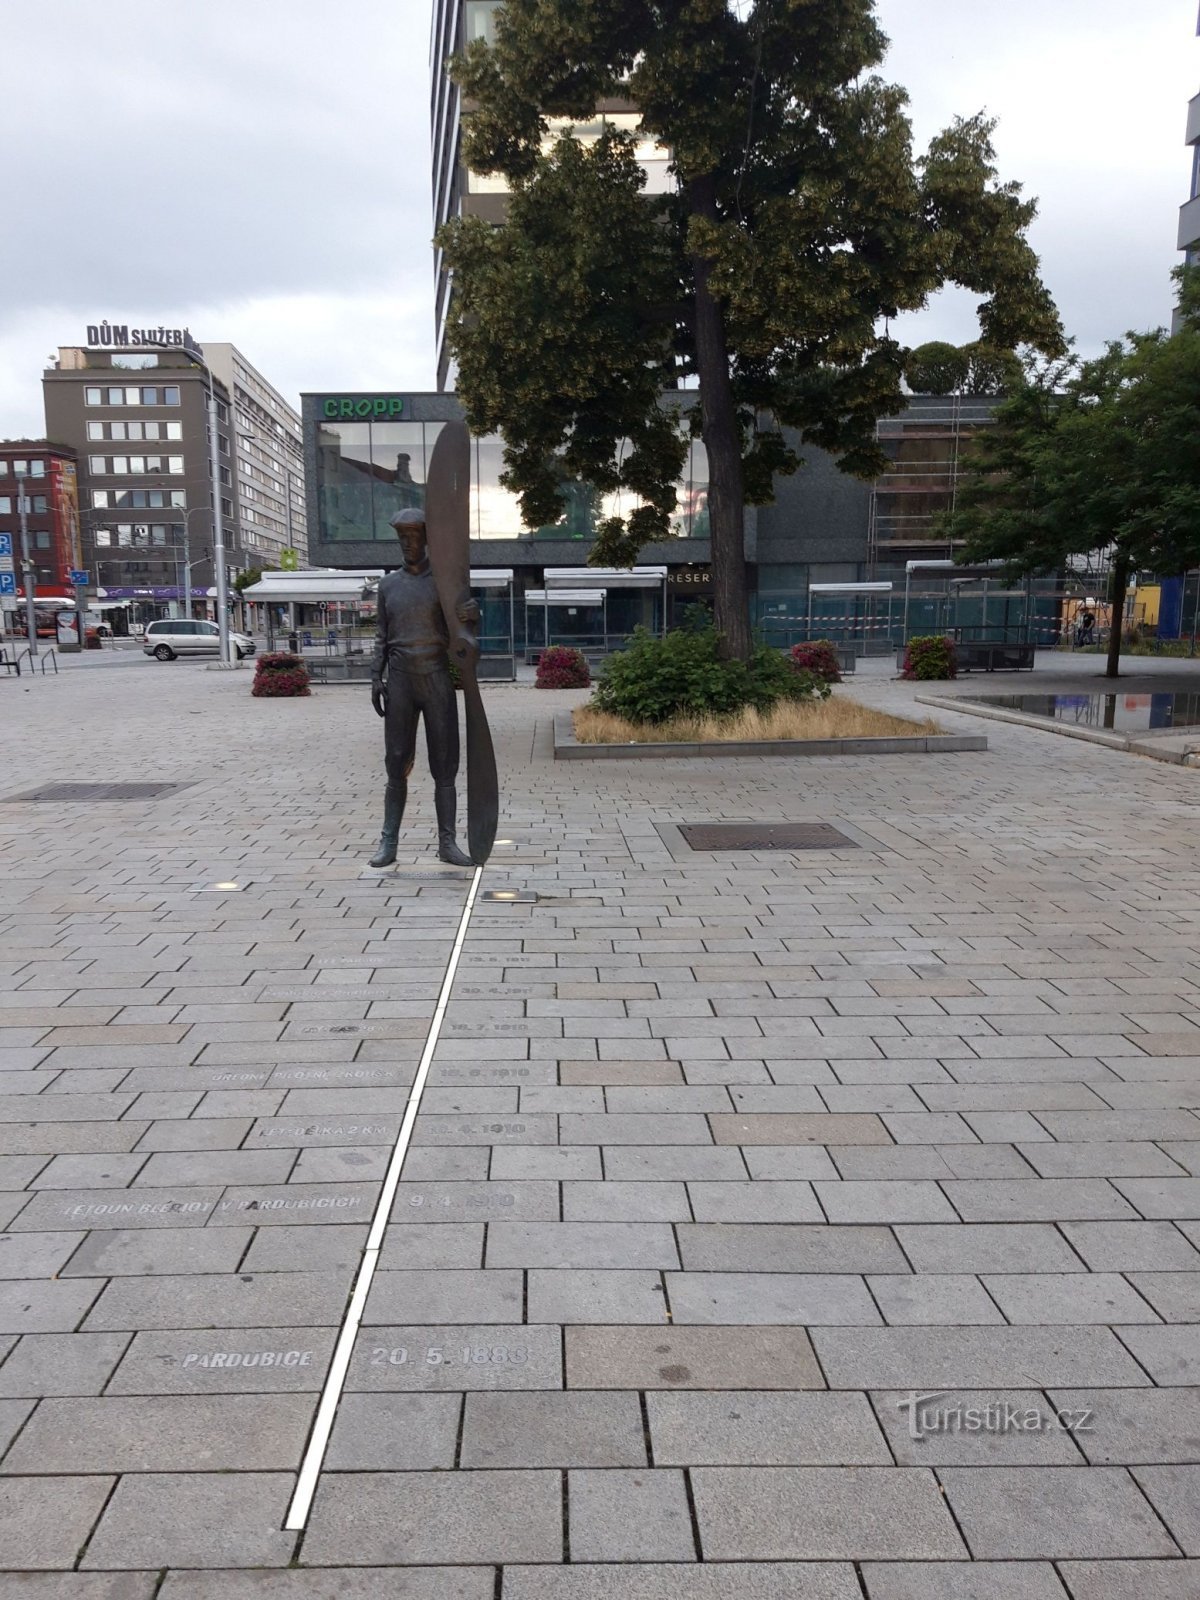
(410, 626)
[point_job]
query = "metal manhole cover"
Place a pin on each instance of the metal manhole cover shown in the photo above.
(765, 836)
(84, 793)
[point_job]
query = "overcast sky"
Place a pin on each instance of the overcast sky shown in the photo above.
(259, 171)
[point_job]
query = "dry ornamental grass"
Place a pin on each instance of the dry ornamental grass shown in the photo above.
(835, 718)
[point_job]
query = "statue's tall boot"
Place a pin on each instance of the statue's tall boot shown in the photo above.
(445, 804)
(393, 812)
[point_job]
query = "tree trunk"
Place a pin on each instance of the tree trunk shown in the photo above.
(723, 441)
(1119, 589)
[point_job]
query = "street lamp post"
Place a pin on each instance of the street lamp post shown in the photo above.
(27, 567)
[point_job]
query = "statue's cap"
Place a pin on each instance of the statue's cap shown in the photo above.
(411, 517)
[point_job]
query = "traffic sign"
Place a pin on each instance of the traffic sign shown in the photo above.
(5, 544)
(80, 578)
(8, 583)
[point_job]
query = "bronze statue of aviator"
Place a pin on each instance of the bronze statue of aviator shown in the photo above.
(426, 618)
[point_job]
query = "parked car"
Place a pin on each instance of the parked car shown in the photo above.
(179, 636)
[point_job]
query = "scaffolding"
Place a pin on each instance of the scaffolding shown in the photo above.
(925, 446)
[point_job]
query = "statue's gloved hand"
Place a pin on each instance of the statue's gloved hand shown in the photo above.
(379, 697)
(468, 611)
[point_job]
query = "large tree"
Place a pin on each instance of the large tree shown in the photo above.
(1098, 457)
(799, 222)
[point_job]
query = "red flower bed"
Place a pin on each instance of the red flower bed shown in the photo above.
(279, 674)
(563, 668)
(818, 657)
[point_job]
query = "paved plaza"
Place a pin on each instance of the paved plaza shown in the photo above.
(775, 1226)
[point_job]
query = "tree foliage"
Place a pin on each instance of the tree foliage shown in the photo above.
(971, 369)
(800, 221)
(1094, 457)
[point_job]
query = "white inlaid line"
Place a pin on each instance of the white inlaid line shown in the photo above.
(331, 1394)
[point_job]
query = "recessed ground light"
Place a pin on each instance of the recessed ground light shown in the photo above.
(510, 896)
(227, 886)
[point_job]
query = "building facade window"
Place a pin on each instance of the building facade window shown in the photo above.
(5, 505)
(168, 396)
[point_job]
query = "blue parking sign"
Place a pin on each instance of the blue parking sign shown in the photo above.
(5, 544)
(8, 583)
(79, 577)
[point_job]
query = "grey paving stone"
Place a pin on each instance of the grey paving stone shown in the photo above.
(1174, 1295)
(625, 1202)
(928, 1299)
(935, 1127)
(1162, 1197)
(194, 1520)
(976, 1358)
(79, 1585)
(546, 1161)
(571, 1429)
(412, 1244)
(624, 1164)
(1170, 1354)
(445, 1165)
(1133, 1426)
(1132, 1580)
(416, 1518)
(798, 1128)
(298, 1133)
(690, 1358)
(297, 1247)
(809, 1298)
(890, 1163)
(580, 1295)
(455, 1358)
(1132, 1246)
(632, 1128)
(978, 1428)
(476, 1202)
(620, 1072)
(337, 1163)
(984, 1160)
(394, 1433)
(107, 1208)
(196, 1167)
(778, 1163)
(822, 1513)
(760, 1580)
(518, 1128)
(764, 1429)
(1037, 1200)
(990, 1247)
(191, 1433)
(210, 1133)
(1070, 1126)
(343, 1583)
(760, 1201)
(224, 1361)
(230, 1300)
(1053, 1513)
(292, 1202)
(35, 1255)
(639, 1515)
(982, 1580)
(43, 1521)
(110, 1171)
(1068, 1297)
(581, 1244)
(855, 1200)
(28, 1305)
(1136, 1159)
(787, 1247)
(444, 1296)
(61, 1363)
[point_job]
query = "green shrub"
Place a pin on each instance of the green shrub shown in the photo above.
(931, 656)
(684, 674)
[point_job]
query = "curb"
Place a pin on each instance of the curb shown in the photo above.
(568, 748)
(1064, 730)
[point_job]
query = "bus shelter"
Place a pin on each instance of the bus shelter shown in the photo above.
(633, 597)
(855, 615)
(492, 587)
(972, 604)
(577, 618)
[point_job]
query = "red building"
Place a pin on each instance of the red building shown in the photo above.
(46, 475)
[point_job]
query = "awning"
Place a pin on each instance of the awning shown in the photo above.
(564, 597)
(304, 588)
(850, 588)
(610, 577)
